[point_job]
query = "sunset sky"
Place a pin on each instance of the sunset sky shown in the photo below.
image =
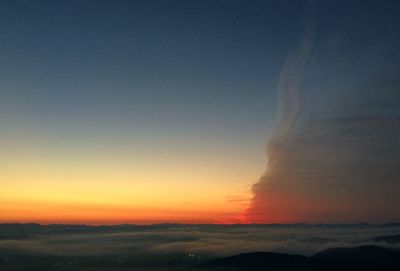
(161, 111)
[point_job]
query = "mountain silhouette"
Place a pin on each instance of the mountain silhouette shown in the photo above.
(260, 261)
(369, 258)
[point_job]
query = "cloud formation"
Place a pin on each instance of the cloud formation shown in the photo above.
(335, 153)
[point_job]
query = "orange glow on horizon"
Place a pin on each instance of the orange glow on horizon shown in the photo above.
(44, 182)
(58, 213)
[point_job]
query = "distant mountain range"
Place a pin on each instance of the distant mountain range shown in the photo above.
(4, 226)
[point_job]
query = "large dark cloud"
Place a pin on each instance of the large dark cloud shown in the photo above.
(335, 154)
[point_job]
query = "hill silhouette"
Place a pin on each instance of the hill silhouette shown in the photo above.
(361, 258)
(260, 261)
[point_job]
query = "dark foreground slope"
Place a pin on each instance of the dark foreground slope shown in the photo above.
(364, 258)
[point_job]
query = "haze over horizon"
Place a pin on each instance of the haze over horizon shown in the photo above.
(147, 112)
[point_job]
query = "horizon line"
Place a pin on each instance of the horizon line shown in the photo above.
(202, 224)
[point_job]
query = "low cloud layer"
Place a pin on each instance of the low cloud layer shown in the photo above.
(202, 241)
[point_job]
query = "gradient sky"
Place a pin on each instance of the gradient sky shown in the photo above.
(159, 111)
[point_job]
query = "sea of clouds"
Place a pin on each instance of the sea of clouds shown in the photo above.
(196, 241)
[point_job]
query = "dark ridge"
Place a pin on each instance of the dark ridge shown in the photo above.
(362, 253)
(363, 258)
(259, 261)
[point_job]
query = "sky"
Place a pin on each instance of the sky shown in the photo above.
(160, 111)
